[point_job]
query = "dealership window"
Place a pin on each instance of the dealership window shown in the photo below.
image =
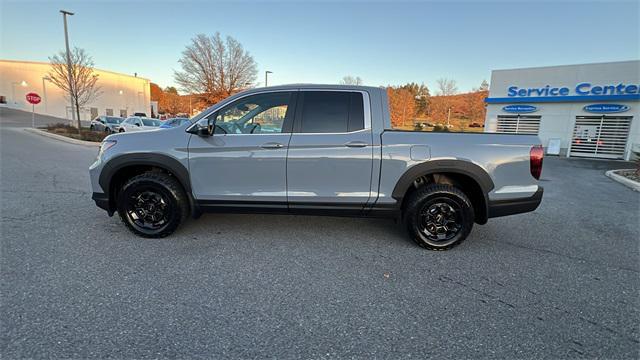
(94, 112)
(600, 136)
(109, 112)
(518, 124)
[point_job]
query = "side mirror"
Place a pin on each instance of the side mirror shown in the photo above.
(211, 126)
(206, 131)
(203, 131)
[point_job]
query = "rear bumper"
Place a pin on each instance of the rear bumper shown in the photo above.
(499, 208)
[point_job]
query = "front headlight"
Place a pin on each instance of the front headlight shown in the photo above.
(106, 145)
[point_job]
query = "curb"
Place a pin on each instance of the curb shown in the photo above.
(62, 138)
(623, 180)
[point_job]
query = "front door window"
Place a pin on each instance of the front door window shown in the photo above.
(257, 114)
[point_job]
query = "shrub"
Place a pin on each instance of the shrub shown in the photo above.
(440, 128)
(72, 132)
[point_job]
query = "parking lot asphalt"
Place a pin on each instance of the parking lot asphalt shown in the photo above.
(557, 283)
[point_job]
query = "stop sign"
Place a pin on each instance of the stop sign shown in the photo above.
(33, 98)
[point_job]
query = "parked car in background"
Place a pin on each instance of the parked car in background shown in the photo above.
(174, 122)
(105, 123)
(476, 125)
(140, 114)
(135, 123)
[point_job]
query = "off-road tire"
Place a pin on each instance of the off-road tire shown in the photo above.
(168, 188)
(430, 197)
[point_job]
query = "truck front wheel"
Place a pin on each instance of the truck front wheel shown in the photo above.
(152, 204)
(438, 216)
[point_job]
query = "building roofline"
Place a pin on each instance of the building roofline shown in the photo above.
(568, 65)
(46, 63)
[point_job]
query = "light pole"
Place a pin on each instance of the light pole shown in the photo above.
(44, 92)
(266, 77)
(13, 89)
(66, 41)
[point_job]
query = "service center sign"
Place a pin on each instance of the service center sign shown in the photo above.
(605, 108)
(33, 98)
(582, 89)
(520, 109)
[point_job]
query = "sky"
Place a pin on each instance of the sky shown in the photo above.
(384, 43)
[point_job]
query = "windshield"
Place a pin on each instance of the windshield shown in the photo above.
(151, 122)
(114, 120)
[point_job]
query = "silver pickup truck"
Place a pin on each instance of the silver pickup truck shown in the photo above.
(316, 149)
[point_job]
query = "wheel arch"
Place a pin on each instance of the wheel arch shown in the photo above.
(472, 179)
(123, 167)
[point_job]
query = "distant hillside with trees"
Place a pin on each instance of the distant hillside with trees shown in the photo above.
(172, 103)
(413, 107)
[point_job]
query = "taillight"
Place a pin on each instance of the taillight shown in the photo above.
(535, 160)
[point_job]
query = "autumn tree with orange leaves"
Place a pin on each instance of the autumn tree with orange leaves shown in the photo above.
(402, 106)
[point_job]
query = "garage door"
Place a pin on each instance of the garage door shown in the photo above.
(518, 124)
(600, 136)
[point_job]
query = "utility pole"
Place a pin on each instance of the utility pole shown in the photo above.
(448, 117)
(266, 77)
(71, 84)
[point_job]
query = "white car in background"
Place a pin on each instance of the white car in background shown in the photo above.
(136, 123)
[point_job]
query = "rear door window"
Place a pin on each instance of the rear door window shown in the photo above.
(331, 112)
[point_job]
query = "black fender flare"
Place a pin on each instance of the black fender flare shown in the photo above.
(462, 167)
(161, 161)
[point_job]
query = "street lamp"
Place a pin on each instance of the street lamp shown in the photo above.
(66, 41)
(266, 77)
(13, 89)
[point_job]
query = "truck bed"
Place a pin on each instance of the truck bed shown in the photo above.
(504, 157)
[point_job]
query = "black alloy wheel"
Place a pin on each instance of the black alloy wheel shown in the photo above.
(440, 219)
(148, 209)
(152, 204)
(438, 216)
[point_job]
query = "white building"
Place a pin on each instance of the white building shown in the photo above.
(592, 110)
(121, 94)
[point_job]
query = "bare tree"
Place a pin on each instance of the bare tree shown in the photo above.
(484, 86)
(447, 87)
(81, 88)
(215, 68)
(350, 80)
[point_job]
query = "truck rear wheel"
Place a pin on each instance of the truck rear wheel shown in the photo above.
(438, 216)
(152, 204)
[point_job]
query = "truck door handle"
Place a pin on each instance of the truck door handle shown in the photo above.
(356, 144)
(271, 145)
